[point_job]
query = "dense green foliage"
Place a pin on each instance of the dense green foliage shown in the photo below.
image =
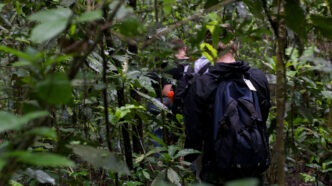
(74, 87)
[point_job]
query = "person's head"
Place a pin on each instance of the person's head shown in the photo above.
(179, 48)
(227, 43)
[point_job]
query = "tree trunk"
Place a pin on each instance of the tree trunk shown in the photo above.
(280, 95)
(138, 128)
(108, 138)
(109, 44)
(125, 133)
(137, 135)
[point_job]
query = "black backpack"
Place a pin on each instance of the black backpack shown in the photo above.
(187, 79)
(239, 135)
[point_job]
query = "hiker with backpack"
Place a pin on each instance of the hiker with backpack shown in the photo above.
(188, 76)
(225, 113)
(165, 87)
(181, 60)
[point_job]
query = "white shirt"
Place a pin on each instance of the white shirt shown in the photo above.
(199, 63)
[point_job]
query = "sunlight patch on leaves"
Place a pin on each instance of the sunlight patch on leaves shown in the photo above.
(55, 89)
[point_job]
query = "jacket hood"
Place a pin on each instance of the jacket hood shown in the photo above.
(230, 70)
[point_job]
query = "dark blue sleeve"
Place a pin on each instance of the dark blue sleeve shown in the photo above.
(260, 82)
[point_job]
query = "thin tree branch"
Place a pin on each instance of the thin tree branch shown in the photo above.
(273, 23)
(73, 46)
(78, 61)
(124, 38)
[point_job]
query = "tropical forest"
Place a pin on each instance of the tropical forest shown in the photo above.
(79, 106)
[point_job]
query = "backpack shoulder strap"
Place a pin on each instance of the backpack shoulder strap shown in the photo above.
(186, 68)
(204, 68)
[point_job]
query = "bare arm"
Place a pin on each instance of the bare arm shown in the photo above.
(166, 89)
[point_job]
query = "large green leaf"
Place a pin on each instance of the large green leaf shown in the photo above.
(199, 37)
(158, 140)
(186, 152)
(100, 158)
(1, 6)
(55, 89)
(52, 22)
(14, 183)
(255, 7)
(173, 176)
(44, 131)
(154, 101)
(42, 159)
(34, 115)
(9, 121)
(172, 149)
(16, 53)
(295, 17)
(124, 110)
(131, 27)
(323, 24)
(160, 179)
(90, 16)
(40, 176)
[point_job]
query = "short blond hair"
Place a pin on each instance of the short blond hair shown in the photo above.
(232, 45)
